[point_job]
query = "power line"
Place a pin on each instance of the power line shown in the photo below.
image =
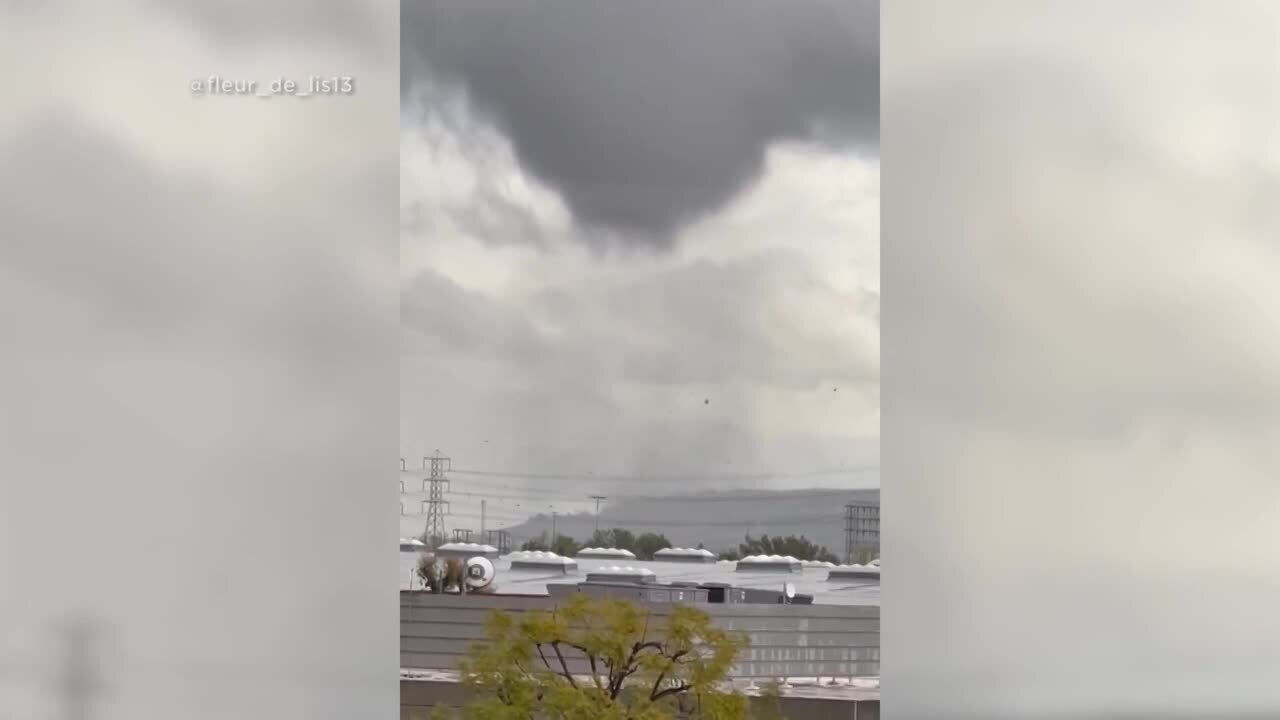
(502, 494)
(437, 508)
(630, 522)
(626, 522)
(675, 477)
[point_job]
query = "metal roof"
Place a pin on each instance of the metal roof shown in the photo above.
(809, 580)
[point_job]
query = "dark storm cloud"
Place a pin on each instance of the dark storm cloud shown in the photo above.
(647, 116)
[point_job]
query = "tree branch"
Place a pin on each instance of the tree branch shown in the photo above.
(654, 694)
(591, 657)
(595, 672)
(544, 658)
(555, 645)
(615, 682)
(615, 687)
(650, 645)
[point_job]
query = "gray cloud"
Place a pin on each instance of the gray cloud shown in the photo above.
(198, 313)
(647, 117)
(336, 23)
(695, 370)
(145, 251)
(699, 323)
(445, 315)
(1082, 398)
(1067, 123)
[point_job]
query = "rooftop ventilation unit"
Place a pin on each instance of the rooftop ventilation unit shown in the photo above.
(606, 554)
(769, 563)
(537, 560)
(466, 550)
(854, 572)
(685, 555)
(644, 592)
(480, 573)
(621, 574)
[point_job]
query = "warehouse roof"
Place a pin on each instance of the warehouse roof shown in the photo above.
(811, 579)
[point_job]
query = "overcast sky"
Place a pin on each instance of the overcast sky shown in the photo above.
(642, 243)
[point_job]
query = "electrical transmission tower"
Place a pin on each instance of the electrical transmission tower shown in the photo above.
(436, 506)
(861, 530)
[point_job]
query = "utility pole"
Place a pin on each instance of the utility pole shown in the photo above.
(482, 508)
(437, 506)
(598, 498)
(553, 527)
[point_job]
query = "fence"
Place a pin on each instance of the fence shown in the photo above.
(787, 641)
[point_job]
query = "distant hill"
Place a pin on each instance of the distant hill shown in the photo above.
(717, 520)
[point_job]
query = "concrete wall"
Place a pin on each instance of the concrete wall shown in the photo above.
(786, 640)
(419, 697)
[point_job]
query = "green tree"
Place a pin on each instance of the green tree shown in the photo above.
(729, 555)
(616, 538)
(800, 548)
(648, 544)
(603, 659)
(624, 539)
(538, 544)
(768, 705)
(565, 546)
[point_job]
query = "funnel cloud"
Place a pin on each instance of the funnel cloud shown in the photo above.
(648, 117)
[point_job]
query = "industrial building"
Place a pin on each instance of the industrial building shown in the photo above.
(760, 578)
